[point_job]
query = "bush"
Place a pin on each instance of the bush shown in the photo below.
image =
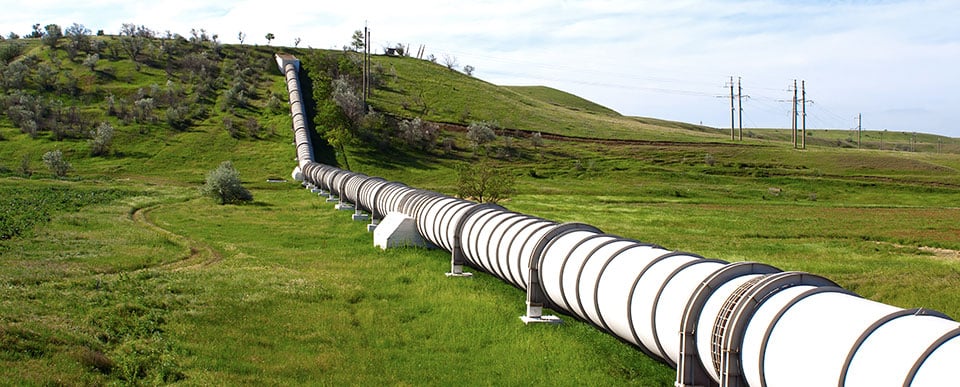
(57, 164)
(484, 182)
(10, 51)
(536, 140)
(223, 184)
(480, 133)
(25, 169)
(100, 139)
(178, 117)
(419, 134)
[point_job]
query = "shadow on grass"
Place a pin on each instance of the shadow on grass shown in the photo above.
(392, 159)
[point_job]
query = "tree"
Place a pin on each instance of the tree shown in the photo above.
(484, 182)
(346, 96)
(100, 139)
(450, 61)
(269, 37)
(296, 42)
(57, 164)
(468, 69)
(358, 41)
(37, 32)
(133, 40)
(79, 39)
(52, 34)
(241, 37)
(224, 185)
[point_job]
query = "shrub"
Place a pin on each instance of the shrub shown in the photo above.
(143, 109)
(25, 169)
(480, 133)
(100, 139)
(484, 182)
(178, 117)
(223, 184)
(91, 61)
(57, 164)
(536, 140)
(419, 134)
(10, 51)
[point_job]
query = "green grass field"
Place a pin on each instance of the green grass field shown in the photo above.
(123, 274)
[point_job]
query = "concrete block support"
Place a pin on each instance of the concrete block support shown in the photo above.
(398, 230)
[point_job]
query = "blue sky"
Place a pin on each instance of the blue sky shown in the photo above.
(893, 61)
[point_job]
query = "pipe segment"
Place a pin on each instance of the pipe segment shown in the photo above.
(717, 323)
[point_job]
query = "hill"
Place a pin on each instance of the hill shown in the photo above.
(122, 273)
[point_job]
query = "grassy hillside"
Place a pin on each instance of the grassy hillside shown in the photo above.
(418, 88)
(562, 99)
(122, 273)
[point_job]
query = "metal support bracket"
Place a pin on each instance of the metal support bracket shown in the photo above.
(536, 298)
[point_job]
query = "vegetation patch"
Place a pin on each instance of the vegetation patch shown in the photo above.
(22, 207)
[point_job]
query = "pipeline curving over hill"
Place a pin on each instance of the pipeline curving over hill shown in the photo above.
(718, 323)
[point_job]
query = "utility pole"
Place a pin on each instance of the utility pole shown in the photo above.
(740, 105)
(794, 114)
(732, 111)
(859, 128)
(803, 100)
(366, 66)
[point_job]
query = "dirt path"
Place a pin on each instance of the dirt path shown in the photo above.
(938, 252)
(201, 254)
(948, 254)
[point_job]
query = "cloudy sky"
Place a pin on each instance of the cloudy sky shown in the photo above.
(894, 61)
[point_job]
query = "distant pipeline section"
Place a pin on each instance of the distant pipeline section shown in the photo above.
(717, 323)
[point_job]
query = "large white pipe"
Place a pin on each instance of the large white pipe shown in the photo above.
(718, 323)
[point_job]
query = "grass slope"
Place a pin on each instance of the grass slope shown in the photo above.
(562, 99)
(150, 283)
(418, 88)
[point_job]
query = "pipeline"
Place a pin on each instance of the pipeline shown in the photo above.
(717, 323)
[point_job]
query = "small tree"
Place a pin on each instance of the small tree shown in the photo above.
(468, 69)
(241, 37)
(450, 61)
(52, 34)
(358, 41)
(79, 39)
(223, 184)
(269, 37)
(100, 139)
(484, 182)
(57, 164)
